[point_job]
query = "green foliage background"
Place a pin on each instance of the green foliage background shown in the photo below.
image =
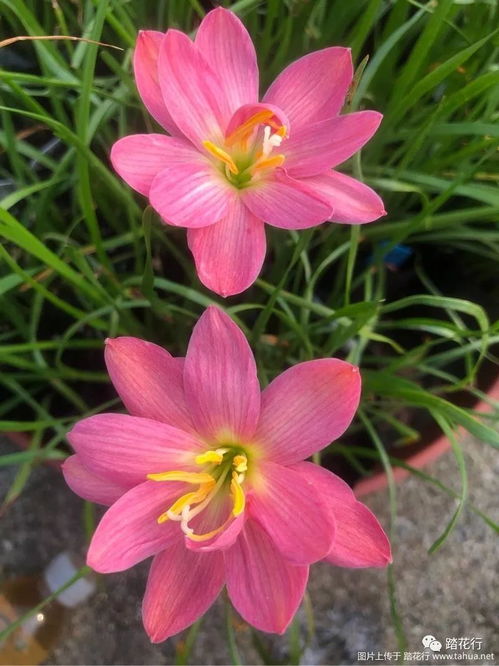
(80, 260)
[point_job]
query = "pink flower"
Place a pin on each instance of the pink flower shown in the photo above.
(231, 161)
(208, 476)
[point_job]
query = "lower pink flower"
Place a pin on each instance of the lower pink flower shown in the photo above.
(207, 475)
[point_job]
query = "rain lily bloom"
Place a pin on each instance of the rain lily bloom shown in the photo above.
(231, 162)
(207, 474)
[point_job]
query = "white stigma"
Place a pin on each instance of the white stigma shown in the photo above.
(270, 141)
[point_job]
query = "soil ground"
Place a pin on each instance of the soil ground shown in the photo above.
(450, 594)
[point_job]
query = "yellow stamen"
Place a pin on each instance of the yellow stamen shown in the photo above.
(189, 514)
(282, 131)
(187, 477)
(237, 495)
(245, 129)
(240, 462)
(209, 456)
(239, 503)
(208, 535)
(183, 511)
(179, 504)
(188, 499)
(268, 163)
(214, 490)
(221, 155)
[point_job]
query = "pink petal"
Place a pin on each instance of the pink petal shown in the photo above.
(265, 589)
(139, 158)
(285, 202)
(350, 133)
(125, 449)
(359, 540)
(182, 585)
(191, 195)
(227, 48)
(129, 532)
(229, 254)
(145, 65)
(319, 146)
(329, 142)
(313, 87)
(220, 379)
(287, 505)
(149, 380)
(353, 202)
(192, 90)
(247, 111)
(90, 486)
(306, 408)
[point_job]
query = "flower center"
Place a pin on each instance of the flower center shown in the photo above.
(225, 466)
(246, 154)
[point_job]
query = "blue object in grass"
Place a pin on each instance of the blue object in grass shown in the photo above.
(397, 256)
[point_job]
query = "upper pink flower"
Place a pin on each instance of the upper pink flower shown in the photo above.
(233, 162)
(207, 475)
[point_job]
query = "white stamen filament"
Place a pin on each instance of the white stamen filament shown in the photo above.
(184, 521)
